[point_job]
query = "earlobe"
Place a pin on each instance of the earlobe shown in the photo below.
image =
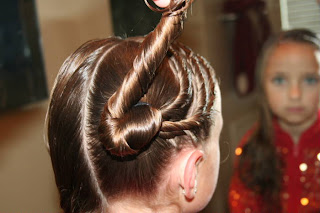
(190, 173)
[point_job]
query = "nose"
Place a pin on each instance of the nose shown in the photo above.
(295, 92)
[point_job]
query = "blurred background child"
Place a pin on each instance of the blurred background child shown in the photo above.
(278, 163)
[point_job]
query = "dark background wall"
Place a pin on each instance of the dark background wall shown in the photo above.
(132, 18)
(22, 74)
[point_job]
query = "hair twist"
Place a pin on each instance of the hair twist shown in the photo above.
(203, 85)
(128, 134)
(121, 106)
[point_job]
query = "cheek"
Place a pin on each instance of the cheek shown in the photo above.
(313, 98)
(271, 93)
(274, 101)
(276, 97)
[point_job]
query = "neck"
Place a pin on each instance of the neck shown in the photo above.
(296, 130)
(137, 206)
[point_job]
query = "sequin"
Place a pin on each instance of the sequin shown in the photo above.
(238, 151)
(247, 210)
(285, 195)
(304, 201)
(234, 203)
(303, 167)
(236, 196)
(307, 185)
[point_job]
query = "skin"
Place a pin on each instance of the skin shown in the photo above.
(292, 86)
(162, 3)
(209, 168)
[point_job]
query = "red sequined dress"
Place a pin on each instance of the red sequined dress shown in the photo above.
(301, 176)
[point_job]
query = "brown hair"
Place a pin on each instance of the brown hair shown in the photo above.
(260, 166)
(121, 108)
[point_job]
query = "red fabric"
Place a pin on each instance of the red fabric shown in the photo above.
(297, 184)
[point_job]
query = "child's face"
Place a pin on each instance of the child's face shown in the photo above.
(292, 83)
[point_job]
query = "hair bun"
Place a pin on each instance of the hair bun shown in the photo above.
(125, 126)
(134, 130)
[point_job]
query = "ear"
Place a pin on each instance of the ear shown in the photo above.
(190, 173)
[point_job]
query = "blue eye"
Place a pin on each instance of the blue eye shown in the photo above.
(311, 80)
(278, 80)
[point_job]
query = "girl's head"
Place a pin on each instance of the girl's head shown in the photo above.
(136, 119)
(289, 87)
(290, 77)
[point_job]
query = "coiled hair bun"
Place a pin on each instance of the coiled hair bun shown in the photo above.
(134, 130)
(127, 125)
